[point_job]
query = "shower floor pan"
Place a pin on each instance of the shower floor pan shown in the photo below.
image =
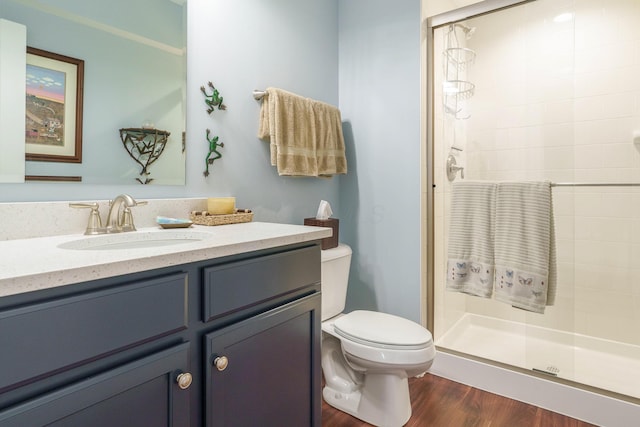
(596, 362)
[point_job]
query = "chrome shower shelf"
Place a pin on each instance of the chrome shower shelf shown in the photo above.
(459, 89)
(459, 57)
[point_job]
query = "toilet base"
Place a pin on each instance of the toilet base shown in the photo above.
(382, 400)
(371, 390)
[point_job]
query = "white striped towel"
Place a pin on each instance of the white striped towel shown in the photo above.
(470, 265)
(525, 245)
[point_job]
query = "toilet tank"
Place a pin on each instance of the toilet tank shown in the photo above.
(335, 278)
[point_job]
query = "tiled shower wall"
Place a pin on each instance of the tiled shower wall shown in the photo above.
(556, 100)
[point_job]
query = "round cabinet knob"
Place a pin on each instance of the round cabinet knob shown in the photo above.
(221, 363)
(184, 380)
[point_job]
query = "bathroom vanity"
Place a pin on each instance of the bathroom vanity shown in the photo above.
(209, 332)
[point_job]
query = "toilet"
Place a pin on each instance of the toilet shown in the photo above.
(367, 356)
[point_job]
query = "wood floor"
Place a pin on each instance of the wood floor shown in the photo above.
(438, 402)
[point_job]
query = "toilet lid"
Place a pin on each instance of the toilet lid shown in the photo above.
(382, 330)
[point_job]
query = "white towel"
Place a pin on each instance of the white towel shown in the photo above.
(470, 259)
(525, 274)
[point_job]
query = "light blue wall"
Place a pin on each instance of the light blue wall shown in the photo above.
(254, 44)
(365, 51)
(380, 202)
(240, 46)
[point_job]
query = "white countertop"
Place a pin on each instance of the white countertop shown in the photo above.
(39, 263)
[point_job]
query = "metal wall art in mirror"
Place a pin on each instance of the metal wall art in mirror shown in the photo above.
(144, 145)
(54, 92)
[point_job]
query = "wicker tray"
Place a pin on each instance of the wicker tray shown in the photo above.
(204, 218)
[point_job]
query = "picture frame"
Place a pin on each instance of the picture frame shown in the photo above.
(54, 97)
(53, 178)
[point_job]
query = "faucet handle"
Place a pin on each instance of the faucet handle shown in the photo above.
(94, 226)
(127, 217)
(453, 168)
(127, 220)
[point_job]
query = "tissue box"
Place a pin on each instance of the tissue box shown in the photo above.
(334, 223)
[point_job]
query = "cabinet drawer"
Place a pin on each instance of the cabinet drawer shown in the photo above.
(233, 286)
(54, 335)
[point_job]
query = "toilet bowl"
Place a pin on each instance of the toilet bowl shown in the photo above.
(367, 356)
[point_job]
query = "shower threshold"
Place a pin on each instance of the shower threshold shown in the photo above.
(595, 362)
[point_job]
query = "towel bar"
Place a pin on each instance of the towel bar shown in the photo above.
(595, 184)
(259, 94)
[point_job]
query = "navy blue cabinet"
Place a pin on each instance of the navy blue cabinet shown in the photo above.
(145, 392)
(231, 341)
(263, 371)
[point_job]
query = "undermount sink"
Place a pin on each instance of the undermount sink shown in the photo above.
(134, 240)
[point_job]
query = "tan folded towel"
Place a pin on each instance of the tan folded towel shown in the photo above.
(305, 135)
(330, 150)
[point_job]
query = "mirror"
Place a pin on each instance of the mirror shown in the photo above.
(134, 57)
(13, 41)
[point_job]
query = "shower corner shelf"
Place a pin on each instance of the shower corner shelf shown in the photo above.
(457, 59)
(460, 57)
(459, 89)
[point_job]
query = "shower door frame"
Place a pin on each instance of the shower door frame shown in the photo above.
(432, 23)
(572, 398)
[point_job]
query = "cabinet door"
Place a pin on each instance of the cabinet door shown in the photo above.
(142, 393)
(272, 373)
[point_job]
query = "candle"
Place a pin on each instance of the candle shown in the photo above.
(221, 205)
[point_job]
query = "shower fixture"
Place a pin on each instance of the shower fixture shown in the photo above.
(468, 31)
(452, 168)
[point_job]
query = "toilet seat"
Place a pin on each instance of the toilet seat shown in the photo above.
(382, 338)
(382, 330)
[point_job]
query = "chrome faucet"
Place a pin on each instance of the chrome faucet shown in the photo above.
(120, 218)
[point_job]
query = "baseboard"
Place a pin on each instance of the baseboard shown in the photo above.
(581, 404)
